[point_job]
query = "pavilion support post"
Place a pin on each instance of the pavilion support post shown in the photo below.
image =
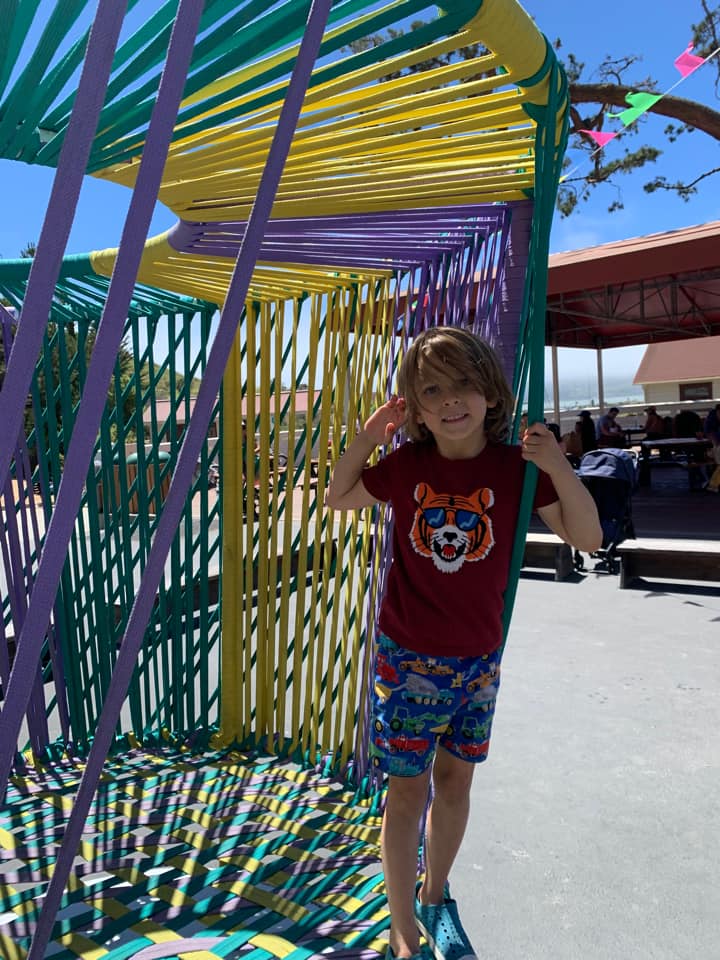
(555, 384)
(601, 383)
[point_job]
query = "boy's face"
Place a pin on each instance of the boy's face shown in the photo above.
(453, 409)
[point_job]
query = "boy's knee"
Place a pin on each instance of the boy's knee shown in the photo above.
(452, 778)
(408, 794)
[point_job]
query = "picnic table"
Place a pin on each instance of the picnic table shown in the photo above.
(632, 433)
(685, 447)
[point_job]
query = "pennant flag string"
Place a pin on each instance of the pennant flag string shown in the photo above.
(639, 103)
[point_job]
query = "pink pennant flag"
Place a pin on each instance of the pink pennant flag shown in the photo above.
(599, 137)
(687, 61)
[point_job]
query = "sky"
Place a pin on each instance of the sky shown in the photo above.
(656, 30)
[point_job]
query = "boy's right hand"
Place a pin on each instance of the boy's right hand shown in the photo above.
(383, 424)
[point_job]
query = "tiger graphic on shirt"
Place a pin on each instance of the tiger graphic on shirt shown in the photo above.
(451, 529)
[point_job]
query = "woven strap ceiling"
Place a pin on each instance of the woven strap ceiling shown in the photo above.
(389, 128)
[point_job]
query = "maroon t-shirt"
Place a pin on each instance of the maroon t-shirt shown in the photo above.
(454, 529)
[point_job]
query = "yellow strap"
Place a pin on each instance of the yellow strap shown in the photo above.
(289, 55)
(233, 579)
(508, 30)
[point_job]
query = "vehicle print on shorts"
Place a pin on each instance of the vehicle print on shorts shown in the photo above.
(427, 666)
(415, 690)
(486, 680)
(403, 744)
(402, 719)
(421, 690)
(471, 751)
(385, 670)
(482, 702)
(471, 729)
(397, 766)
(483, 690)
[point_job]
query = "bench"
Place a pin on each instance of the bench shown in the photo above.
(669, 559)
(550, 552)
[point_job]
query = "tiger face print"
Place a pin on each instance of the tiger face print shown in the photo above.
(452, 530)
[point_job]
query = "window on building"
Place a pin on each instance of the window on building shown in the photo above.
(696, 391)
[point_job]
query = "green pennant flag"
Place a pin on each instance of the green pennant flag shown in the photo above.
(639, 104)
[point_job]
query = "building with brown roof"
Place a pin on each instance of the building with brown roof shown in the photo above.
(162, 411)
(681, 370)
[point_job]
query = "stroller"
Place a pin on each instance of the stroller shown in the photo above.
(610, 476)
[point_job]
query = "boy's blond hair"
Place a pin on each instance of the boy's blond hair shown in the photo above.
(441, 352)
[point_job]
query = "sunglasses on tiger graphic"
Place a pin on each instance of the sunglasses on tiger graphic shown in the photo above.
(465, 520)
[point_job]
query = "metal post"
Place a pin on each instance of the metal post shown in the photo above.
(555, 384)
(601, 384)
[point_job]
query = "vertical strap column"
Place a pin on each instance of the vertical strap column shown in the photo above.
(186, 25)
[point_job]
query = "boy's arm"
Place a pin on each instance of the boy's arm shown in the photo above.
(573, 516)
(346, 490)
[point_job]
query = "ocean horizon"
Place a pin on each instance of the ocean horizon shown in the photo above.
(583, 392)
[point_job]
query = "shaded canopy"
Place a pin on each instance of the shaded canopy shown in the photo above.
(665, 286)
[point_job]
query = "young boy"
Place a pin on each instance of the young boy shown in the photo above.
(455, 490)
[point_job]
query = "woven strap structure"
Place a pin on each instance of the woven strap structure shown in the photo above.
(173, 587)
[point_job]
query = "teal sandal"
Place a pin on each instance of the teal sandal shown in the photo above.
(441, 927)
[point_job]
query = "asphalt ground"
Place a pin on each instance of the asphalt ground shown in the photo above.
(595, 825)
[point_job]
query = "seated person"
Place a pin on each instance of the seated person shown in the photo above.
(609, 432)
(654, 425)
(711, 427)
(712, 432)
(687, 423)
(573, 444)
(589, 439)
(554, 430)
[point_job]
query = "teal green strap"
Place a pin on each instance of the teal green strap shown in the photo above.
(60, 22)
(548, 168)
(270, 33)
(16, 20)
(73, 265)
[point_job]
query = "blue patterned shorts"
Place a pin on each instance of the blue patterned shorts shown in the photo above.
(421, 701)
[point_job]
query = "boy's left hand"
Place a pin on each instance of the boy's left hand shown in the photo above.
(540, 447)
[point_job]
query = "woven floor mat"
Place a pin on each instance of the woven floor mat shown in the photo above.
(250, 857)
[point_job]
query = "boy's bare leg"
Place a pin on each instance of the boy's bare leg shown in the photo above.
(400, 840)
(446, 823)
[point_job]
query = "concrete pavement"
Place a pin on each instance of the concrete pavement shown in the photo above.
(595, 825)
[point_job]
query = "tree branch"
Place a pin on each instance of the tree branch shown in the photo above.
(686, 111)
(684, 189)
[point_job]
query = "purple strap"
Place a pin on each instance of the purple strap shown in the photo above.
(19, 567)
(58, 221)
(87, 423)
(186, 945)
(193, 440)
(511, 299)
(391, 239)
